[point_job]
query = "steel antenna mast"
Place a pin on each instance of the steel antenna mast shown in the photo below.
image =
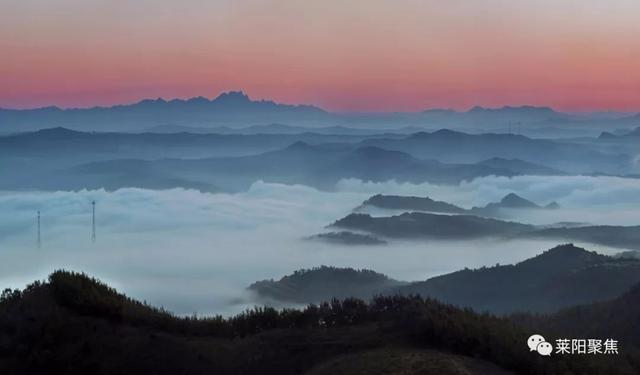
(93, 221)
(39, 239)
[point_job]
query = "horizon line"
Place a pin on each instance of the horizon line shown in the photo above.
(355, 112)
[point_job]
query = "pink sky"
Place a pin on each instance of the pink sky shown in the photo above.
(368, 55)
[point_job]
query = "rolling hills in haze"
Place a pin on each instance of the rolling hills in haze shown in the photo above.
(60, 158)
(234, 109)
(320, 166)
(551, 281)
(510, 201)
(428, 226)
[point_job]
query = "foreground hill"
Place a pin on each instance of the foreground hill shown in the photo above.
(616, 318)
(324, 283)
(560, 277)
(73, 324)
(563, 276)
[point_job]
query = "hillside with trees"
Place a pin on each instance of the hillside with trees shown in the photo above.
(73, 324)
(558, 278)
(323, 284)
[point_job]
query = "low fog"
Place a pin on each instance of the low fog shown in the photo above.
(196, 252)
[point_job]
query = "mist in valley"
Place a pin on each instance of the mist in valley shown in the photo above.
(194, 252)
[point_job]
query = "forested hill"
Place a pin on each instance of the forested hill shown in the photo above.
(72, 324)
(560, 277)
(557, 278)
(324, 283)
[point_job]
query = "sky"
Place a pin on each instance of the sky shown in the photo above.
(369, 55)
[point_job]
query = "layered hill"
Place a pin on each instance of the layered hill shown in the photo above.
(560, 277)
(319, 166)
(563, 276)
(451, 146)
(419, 225)
(425, 226)
(510, 201)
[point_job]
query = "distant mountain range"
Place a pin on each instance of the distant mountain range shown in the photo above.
(283, 129)
(450, 146)
(560, 277)
(633, 135)
(235, 109)
(320, 165)
(60, 158)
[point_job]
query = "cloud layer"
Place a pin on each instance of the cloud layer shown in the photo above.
(195, 252)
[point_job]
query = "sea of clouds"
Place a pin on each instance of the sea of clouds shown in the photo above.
(196, 252)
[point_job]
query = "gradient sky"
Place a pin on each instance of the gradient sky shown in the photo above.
(369, 55)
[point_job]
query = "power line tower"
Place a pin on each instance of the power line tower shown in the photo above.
(39, 239)
(93, 221)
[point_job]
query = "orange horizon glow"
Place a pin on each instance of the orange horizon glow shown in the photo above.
(374, 55)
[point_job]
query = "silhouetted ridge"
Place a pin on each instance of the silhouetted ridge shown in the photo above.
(439, 134)
(396, 202)
(232, 97)
(510, 201)
(513, 200)
(300, 146)
(59, 133)
(525, 109)
(520, 166)
(566, 256)
(562, 276)
(607, 135)
(426, 225)
(379, 153)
